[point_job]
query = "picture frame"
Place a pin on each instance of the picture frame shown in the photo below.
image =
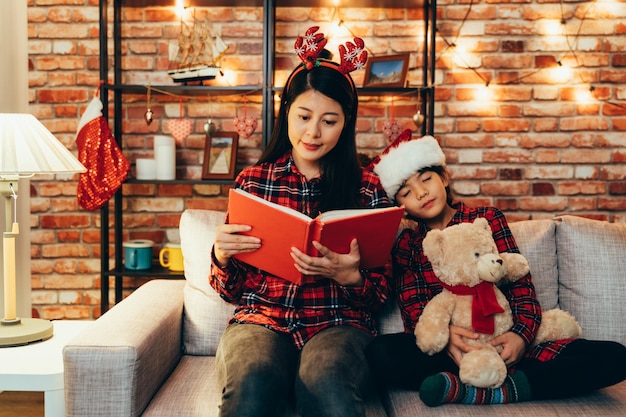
(220, 156)
(386, 71)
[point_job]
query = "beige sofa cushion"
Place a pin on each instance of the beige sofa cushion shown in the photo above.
(205, 313)
(599, 249)
(537, 242)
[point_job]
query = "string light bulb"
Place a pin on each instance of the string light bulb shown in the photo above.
(585, 95)
(561, 73)
(482, 93)
(180, 8)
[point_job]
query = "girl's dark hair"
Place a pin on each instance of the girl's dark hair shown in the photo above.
(340, 169)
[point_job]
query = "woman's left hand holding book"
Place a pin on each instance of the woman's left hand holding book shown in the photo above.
(229, 242)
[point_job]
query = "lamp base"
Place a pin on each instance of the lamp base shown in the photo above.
(24, 331)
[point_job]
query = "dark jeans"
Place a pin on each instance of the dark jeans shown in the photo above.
(583, 366)
(261, 371)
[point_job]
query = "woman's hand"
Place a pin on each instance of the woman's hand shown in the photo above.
(513, 347)
(229, 242)
(343, 268)
(456, 346)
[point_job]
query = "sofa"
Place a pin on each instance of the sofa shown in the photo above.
(153, 353)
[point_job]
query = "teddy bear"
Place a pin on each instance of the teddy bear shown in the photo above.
(464, 257)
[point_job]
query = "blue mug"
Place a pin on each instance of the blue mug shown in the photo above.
(138, 254)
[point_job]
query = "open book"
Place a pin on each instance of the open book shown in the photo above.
(281, 228)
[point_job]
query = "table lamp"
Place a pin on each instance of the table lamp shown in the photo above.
(26, 148)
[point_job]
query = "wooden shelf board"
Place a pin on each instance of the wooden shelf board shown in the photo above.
(187, 90)
(279, 3)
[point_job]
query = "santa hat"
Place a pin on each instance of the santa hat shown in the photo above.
(403, 158)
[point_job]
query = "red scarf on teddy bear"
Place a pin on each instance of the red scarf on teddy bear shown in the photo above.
(484, 304)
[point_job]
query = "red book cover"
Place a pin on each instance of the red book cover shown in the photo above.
(280, 228)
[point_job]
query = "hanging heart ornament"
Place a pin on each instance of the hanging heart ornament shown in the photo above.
(180, 129)
(245, 126)
(391, 130)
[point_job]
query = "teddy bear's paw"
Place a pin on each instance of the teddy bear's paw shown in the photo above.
(430, 346)
(482, 368)
(430, 340)
(557, 324)
(516, 266)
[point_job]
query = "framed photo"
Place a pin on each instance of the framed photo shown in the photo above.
(386, 71)
(220, 156)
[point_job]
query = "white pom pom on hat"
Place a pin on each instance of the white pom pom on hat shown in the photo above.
(404, 158)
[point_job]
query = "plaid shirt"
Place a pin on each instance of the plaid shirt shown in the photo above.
(416, 283)
(285, 307)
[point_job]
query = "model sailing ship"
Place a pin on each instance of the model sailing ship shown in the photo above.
(197, 54)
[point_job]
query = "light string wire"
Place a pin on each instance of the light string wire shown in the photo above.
(571, 44)
(451, 45)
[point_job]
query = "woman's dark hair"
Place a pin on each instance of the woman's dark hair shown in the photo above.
(340, 169)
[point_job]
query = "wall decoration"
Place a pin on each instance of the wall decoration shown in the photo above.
(220, 155)
(148, 115)
(197, 53)
(180, 128)
(392, 127)
(245, 125)
(386, 71)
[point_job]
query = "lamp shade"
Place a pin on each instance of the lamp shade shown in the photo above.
(28, 147)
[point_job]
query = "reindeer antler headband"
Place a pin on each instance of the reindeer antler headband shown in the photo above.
(308, 48)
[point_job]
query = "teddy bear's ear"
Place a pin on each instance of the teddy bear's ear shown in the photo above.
(433, 244)
(482, 222)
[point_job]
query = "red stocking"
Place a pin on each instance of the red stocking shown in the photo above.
(107, 167)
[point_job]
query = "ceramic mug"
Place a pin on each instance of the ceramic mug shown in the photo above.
(138, 254)
(171, 256)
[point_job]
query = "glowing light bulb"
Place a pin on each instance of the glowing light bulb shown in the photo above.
(561, 73)
(584, 95)
(463, 58)
(227, 78)
(179, 8)
(553, 27)
(483, 93)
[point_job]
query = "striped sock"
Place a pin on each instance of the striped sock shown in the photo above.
(446, 387)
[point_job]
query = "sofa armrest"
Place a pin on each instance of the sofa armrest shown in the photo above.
(115, 366)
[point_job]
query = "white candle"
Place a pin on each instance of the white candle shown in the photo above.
(146, 169)
(165, 157)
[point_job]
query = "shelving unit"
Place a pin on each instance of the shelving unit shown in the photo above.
(266, 91)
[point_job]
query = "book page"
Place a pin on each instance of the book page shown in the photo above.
(347, 213)
(278, 207)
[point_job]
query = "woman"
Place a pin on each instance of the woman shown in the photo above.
(302, 341)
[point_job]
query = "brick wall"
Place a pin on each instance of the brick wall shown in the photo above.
(531, 146)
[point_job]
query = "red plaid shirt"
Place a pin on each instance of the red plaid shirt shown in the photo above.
(415, 282)
(299, 310)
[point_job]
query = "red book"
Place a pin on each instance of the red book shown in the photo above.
(281, 228)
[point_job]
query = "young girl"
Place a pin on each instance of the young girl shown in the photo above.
(304, 341)
(413, 174)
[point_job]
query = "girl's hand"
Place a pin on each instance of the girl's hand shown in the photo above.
(457, 346)
(229, 242)
(343, 268)
(513, 347)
